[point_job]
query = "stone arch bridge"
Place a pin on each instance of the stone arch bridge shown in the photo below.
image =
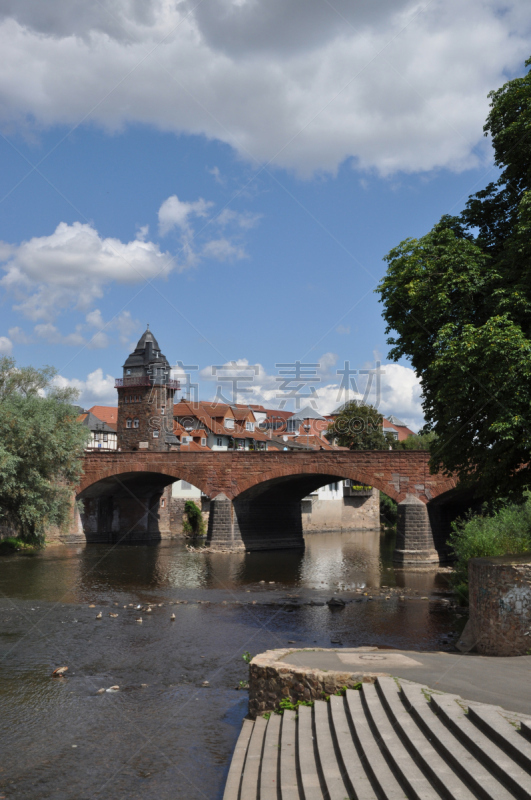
(255, 496)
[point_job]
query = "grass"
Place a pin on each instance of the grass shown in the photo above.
(503, 532)
(12, 545)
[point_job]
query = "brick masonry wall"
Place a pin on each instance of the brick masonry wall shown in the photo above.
(397, 473)
(148, 413)
(344, 514)
(500, 605)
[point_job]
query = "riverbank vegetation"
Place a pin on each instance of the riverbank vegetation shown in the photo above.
(505, 531)
(193, 523)
(457, 303)
(13, 545)
(41, 447)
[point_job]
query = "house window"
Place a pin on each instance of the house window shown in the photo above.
(219, 441)
(229, 423)
(97, 437)
(127, 398)
(105, 437)
(136, 423)
(162, 502)
(128, 372)
(240, 444)
(203, 442)
(155, 434)
(249, 426)
(128, 424)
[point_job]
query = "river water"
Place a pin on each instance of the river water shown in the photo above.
(163, 735)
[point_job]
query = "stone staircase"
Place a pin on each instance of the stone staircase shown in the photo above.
(389, 740)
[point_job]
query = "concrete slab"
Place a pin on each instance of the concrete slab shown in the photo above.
(497, 681)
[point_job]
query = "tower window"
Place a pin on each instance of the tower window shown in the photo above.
(127, 398)
(136, 423)
(128, 372)
(155, 434)
(163, 410)
(128, 424)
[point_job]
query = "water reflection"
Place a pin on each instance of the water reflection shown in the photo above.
(331, 561)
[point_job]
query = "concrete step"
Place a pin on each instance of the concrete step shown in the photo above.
(438, 771)
(495, 725)
(270, 760)
(516, 779)
(309, 765)
(289, 785)
(234, 778)
(469, 769)
(389, 741)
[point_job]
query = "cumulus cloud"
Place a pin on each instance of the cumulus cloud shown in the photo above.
(6, 346)
(324, 387)
(176, 213)
(392, 84)
(96, 389)
(18, 336)
(71, 266)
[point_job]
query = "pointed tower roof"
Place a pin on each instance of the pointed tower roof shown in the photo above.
(146, 337)
(146, 352)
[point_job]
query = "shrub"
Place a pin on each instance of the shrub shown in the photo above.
(388, 511)
(503, 532)
(193, 524)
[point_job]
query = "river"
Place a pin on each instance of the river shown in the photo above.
(163, 735)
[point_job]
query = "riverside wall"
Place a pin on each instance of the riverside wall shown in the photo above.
(500, 605)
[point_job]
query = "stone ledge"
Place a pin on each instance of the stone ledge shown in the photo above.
(272, 680)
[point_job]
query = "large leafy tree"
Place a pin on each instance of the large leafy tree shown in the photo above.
(41, 445)
(359, 426)
(459, 300)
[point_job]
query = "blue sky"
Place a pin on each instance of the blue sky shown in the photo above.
(233, 173)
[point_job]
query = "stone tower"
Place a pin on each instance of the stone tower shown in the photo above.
(145, 399)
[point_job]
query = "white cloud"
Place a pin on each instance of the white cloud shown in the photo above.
(51, 334)
(18, 336)
(304, 84)
(72, 265)
(6, 346)
(400, 392)
(244, 220)
(97, 389)
(223, 250)
(176, 213)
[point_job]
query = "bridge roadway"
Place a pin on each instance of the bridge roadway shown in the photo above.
(255, 496)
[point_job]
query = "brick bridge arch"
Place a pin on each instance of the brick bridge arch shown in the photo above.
(398, 473)
(256, 495)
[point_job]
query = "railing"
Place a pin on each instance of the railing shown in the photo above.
(142, 380)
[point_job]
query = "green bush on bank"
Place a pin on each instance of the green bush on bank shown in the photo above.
(193, 524)
(11, 545)
(504, 532)
(388, 511)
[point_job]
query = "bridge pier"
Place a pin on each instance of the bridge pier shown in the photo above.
(254, 524)
(414, 537)
(123, 519)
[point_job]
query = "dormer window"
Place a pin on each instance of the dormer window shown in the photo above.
(249, 426)
(229, 422)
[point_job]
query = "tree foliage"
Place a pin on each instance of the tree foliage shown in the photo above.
(418, 441)
(359, 427)
(459, 300)
(41, 445)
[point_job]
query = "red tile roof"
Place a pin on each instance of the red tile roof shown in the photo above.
(108, 414)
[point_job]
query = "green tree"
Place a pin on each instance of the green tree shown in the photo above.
(41, 445)
(419, 441)
(459, 300)
(359, 427)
